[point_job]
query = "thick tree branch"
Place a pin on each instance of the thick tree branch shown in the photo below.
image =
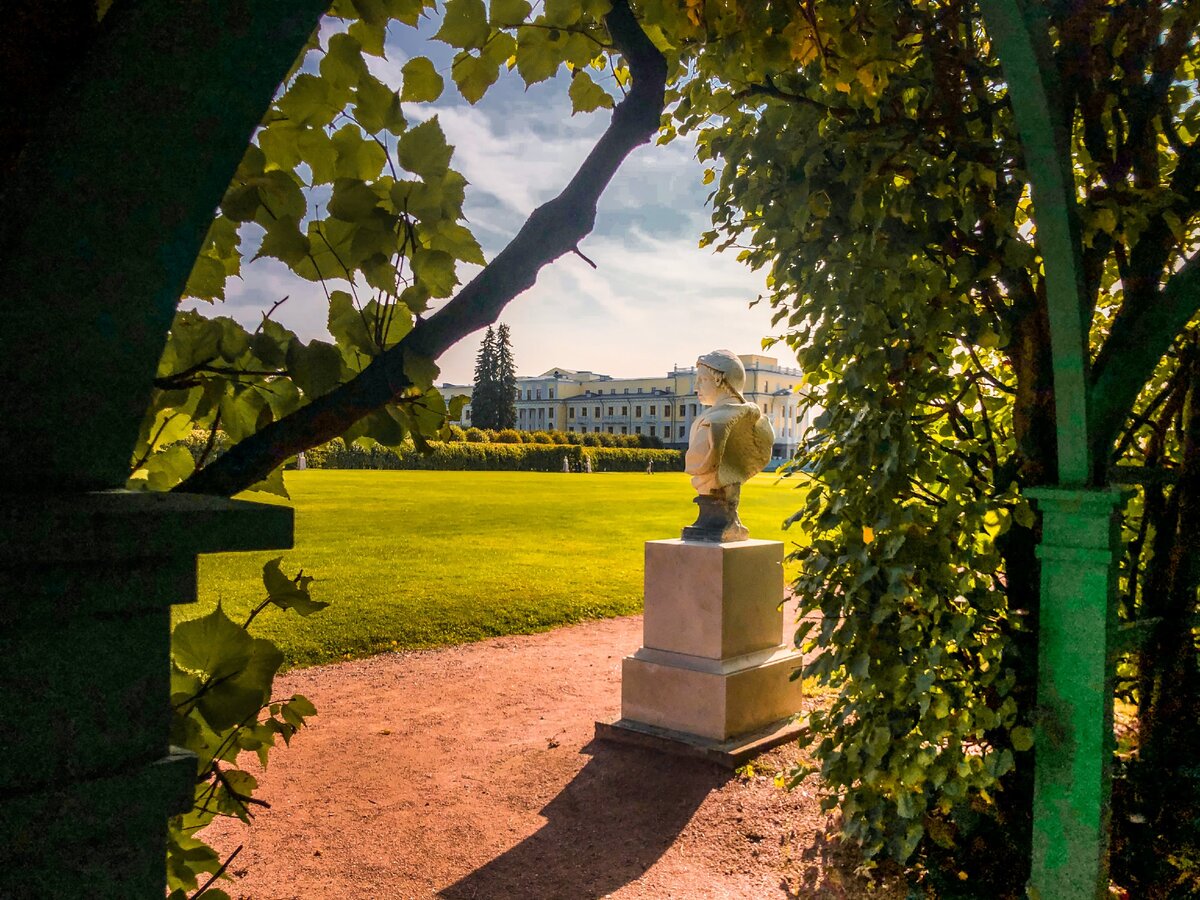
(1133, 349)
(552, 230)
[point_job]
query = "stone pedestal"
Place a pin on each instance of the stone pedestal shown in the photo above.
(87, 776)
(713, 676)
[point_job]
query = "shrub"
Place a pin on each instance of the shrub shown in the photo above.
(481, 456)
(507, 436)
(573, 438)
(607, 440)
(590, 439)
(197, 440)
(476, 436)
(540, 437)
(457, 433)
(558, 437)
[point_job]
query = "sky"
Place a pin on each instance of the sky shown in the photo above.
(655, 299)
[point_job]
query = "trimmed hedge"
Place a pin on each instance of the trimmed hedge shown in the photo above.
(494, 457)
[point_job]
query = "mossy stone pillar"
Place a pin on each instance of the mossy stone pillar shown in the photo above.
(110, 195)
(87, 779)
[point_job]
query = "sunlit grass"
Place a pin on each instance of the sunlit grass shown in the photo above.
(424, 559)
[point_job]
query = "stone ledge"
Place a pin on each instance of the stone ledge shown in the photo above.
(108, 525)
(729, 754)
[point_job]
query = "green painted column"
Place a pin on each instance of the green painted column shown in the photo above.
(1081, 547)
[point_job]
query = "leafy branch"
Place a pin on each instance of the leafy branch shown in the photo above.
(552, 230)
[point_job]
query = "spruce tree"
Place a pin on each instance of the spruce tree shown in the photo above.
(506, 380)
(485, 396)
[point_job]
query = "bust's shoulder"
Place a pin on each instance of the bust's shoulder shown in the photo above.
(725, 413)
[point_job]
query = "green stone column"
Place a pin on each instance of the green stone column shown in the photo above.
(87, 779)
(1080, 549)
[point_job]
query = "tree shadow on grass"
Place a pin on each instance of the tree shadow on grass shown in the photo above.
(623, 810)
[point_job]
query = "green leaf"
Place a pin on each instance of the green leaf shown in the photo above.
(377, 106)
(352, 200)
(316, 368)
(422, 83)
(310, 101)
(278, 143)
(288, 593)
(586, 95)
(284, 242)
(509, 12)
(302, 705)
(167, 468)
(424, 151)
(343, 64)
(347, 324)
(538, 54)
(370, 36)
(464, 24)
(435, 270)
(561, 12)
(357, 157)
(1022, 738)
(473, 75)
(318, 151)
(212, 646)
(458, 241)
(421, 371)
(207, 280)
(272, 484)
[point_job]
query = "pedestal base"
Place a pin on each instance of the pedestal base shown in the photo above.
(712, 699)
(729, 754)
(713, 677)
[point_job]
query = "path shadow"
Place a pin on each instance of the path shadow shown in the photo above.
(604, 830)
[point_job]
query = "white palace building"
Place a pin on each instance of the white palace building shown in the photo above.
(662, 407)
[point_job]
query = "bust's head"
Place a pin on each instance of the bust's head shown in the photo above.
(719, 374)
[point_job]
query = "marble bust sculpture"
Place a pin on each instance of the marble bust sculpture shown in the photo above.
(730, 442)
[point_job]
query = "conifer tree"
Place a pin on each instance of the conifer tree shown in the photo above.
(506, 380)
(485, 396)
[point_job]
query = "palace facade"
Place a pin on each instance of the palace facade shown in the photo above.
(662, 407)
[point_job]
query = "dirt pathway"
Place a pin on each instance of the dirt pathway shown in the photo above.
(471, 772)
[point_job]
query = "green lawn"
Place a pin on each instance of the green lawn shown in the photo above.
(424, 559)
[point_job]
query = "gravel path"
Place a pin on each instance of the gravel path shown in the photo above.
(472, 772)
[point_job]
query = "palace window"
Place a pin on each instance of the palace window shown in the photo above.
(693, 409)
(652, 431)
(666, 412)
(610, 431)
(570, 412)
(652, 410)
(551, 395)
(610, 410)
(637, 429)
(624, 430)
(637, 411)
(596, 430)
(624, 410)
(626, 390)
(597, 412)
(681, 431)
(539, 393)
